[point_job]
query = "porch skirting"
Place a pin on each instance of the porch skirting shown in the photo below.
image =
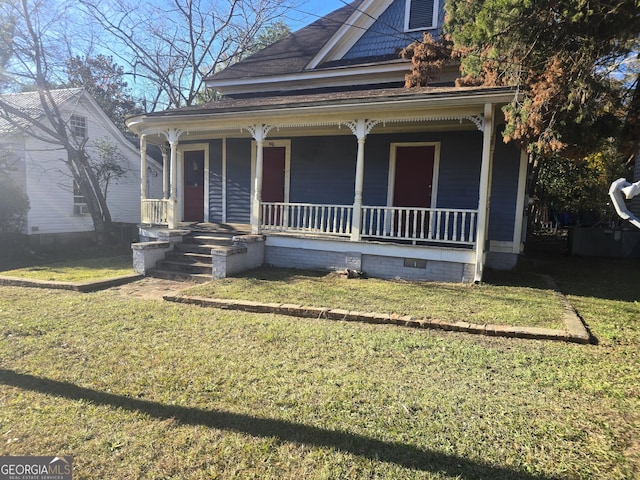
(376, 260)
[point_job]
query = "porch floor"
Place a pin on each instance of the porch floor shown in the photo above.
(219, 228)
(245, 229)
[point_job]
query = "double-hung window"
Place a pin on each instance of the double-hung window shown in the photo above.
(78, 126)
(79, 202)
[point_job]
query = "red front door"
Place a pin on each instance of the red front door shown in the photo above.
(194, 186)
(273, 180)
(413, 184)
(273, 166)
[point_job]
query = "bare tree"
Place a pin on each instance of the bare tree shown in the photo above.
(171, 46)
(37, 51)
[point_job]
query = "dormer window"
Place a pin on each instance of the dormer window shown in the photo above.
(421, 15)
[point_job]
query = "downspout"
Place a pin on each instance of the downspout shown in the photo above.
(484, 192)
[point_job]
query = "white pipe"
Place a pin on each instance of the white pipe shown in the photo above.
(618, 191)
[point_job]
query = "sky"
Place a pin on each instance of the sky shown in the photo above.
(310, 10)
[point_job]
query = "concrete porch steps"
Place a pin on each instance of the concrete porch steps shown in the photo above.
(191, 260)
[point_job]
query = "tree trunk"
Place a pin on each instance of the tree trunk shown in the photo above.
(93, 197)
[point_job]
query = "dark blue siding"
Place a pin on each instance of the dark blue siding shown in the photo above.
(215, 181)
(460, 158)
(238, 180)
(504, 191)
(376, 170)
(460, 161)
(386, 36)
(323, 169)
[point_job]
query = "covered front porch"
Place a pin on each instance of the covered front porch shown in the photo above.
(277, 174)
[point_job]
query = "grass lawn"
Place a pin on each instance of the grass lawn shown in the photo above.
(506, 299)
(79, 270)
(138, 388)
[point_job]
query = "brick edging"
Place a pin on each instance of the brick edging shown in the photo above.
(83, 287)
(569, 335)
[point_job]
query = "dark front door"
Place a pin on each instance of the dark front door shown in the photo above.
(194, 186)
(413, 184)
(273, 166)
(273, 180)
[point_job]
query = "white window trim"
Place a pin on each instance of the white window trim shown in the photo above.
(190, 147)
(434, 20)
(436, 169)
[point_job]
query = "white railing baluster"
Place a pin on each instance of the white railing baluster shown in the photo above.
(446, 224)
(439, 225)
(154, 211)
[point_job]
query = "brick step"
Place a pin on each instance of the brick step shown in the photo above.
(189, 257)
(194, 248)
(180, 276)
(208, 239)
(187, 267)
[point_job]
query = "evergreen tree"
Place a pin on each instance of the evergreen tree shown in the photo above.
(104, 81)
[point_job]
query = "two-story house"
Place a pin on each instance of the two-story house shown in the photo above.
(317, 146)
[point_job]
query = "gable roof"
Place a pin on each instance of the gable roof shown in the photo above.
(356, 46)
(29, 102)
(293, 53)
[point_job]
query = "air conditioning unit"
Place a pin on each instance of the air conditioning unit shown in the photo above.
(80, 209)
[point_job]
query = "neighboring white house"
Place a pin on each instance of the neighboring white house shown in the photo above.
(58, 211)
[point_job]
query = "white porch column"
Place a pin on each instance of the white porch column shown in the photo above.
(360, 128)
(143, 167)
(173, 135)
(485, 191)
(259, 133)
(520, 203)
(165, 172)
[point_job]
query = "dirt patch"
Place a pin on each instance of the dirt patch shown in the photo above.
(153, 288)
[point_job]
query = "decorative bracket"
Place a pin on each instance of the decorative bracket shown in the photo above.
(259, 132)
(173, 135)
(361, 127)
(477, 120)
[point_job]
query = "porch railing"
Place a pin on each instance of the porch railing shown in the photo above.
(441, 225)
(438, 225)
(307, 218)
(154, 212)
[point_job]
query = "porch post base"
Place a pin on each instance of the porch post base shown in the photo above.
(147, 254)
(246, 253)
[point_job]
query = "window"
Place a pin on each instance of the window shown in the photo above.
(79, 203)
(78, 126)
(421, 14)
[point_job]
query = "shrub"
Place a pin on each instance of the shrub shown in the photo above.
(14, 205)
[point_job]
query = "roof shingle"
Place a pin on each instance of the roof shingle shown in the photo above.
(294, 52)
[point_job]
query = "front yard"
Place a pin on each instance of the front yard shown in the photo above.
(82, 270)
(137, 388)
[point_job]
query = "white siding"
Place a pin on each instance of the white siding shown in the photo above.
(50, 186)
